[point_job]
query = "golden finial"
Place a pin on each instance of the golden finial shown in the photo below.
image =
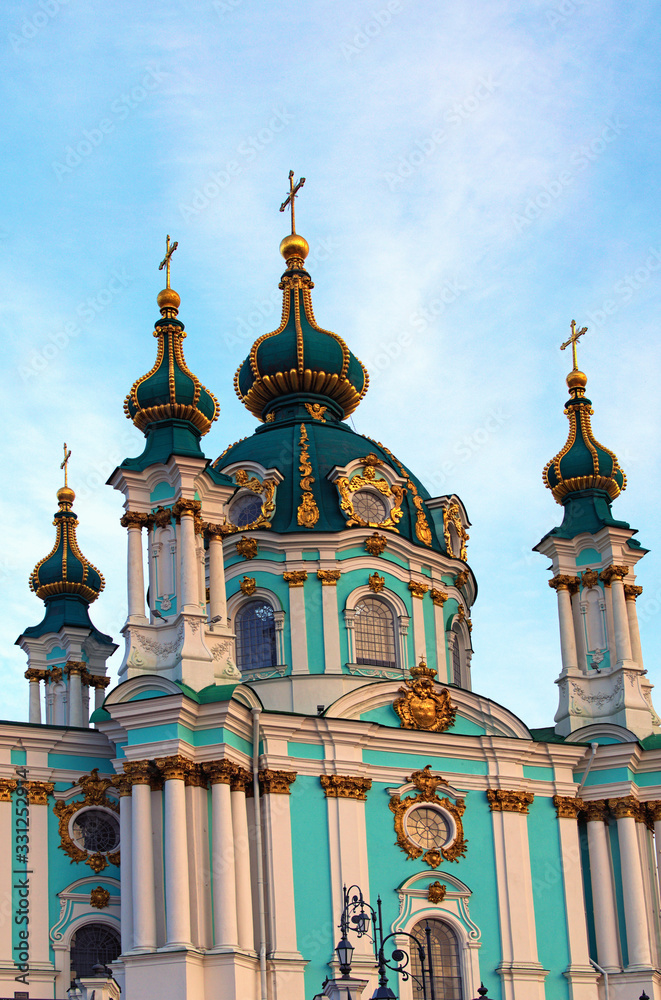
(165, 263)
(65, 463)
(289, 200)
(575, 334)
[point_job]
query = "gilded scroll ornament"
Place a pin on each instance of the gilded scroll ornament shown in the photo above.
(421, 706)
(328, 577)
(501, 800)
(247, 547)
(248, 585)
(438, 597)
(344, 786)
(94, 790)
(99, 898)
(376, 544)
(427, 785)
(369, 480)
(436, 892)
(567, 807)
(422, 529)
(308, 512)
(295, 577)
(589, 578)
(461, 579)
(264, 489)
(418, 589)
(376, 583)
(452, 519)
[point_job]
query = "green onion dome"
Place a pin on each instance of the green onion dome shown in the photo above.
(299, 359)
(65, 570)
(170, 391)
(583, 463)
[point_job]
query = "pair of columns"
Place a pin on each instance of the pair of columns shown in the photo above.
(230, 854)
(80, 681)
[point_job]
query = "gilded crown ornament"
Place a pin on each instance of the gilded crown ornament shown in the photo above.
(447, 832)
(421, 706)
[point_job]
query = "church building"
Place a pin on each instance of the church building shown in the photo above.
(293, 768)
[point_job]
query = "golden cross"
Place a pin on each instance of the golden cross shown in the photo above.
(67, 456)
(575, 334)
(165, 263)
(289, 200)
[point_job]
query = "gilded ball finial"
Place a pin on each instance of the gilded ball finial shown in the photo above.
(168, 299)
(65, 495)
(577, 380)
(294, 246)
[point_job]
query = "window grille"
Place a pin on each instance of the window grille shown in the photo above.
(96, 831)
(255, 636)
(445, 961)
(91, 945)
(374, 633)
(245, 509)
(456, 658)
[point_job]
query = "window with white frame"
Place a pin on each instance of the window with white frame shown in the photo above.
(93, 944)
(374, 633)
(456, 657)
(255, 636)
(445, 961)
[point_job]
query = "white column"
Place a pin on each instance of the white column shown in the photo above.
(563, 585)
(189, 595)
(217, 594)
(241, 839)
(142, 857)
(419, 638)
(444, 676)
(580, 973)
(175, 853)
(135, 568)
(620, 616)
(99, 684)
(12, 853)
(331, 621)
(633, 889)
(297, 623)
(279, 863)
(225, 931)
(38, 792)
(125, 871)
(603, 893)
(34, 677)
(654, 811)
(199, 863)
(631, 592)
(75, 695)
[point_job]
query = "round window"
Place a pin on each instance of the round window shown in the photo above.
(95, 831)
(369, 506)
(245, 509)
(428, 827)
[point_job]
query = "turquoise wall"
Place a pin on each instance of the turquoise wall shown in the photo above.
(548, 896)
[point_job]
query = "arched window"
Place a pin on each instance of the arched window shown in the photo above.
(93, 944)
(444, 960)
(456, 657)
(255, 636)
(375, 633)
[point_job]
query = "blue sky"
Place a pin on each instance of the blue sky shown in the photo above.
(477, 176)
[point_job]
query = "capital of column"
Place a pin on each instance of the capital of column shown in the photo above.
(219, 531)
(596, 810)
(344, 786)
(563, 582)
(653, 810)
(54, 674)
(295, 577)
(7, 786)
(33, 674)
(194, 776)
(75, 667)
(123, 784)
(567, 807)
(461, 578)
(241, 780)
(328, 577)
(173, 768)
(631, 591)
(613, 573)
(134, 519)
(138, 772)
(98, 682)
(276, 782)
(501, 800)
(438, 597)
(627, 807)
(38, 792)
(418, 589)
(220, 772)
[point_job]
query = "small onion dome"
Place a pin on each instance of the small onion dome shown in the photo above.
(65, 570)
(583, 463)
(299, 357)
(170, 391)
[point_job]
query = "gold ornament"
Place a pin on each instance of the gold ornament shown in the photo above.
(631, 592)
(343, 786)
(376, 544)
(276, 782)
(422, 529)
(436, 892)
(418, 589)
(627, 807)
(265, 490)
(38, 792)
(420, 706)
(308, 512)
(452, 518)
(613, 573)
(589, 578)
(220, 772)
(316, 411)
(427, 785)
(438, 597)
(295, 577)
(247, 547)
(504, 801)
(369, 479)
(376, 582)
(564, 582)
(99, 897)
(567, 808)
(94, 790)
(596, 810)
(328, 577)
(461, 578)
(7, 786)
(248, 585)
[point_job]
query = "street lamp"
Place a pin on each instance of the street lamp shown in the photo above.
(344, 953)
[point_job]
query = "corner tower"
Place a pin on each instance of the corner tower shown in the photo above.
(602, 682)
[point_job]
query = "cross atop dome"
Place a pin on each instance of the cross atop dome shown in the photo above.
(289, 200)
